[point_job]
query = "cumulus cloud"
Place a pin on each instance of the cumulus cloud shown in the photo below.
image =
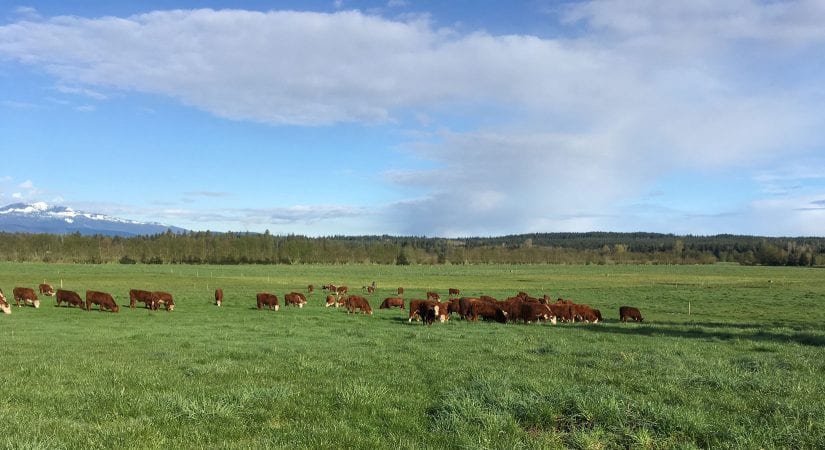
(559, 131)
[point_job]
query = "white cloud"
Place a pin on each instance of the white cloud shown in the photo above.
(560, 131)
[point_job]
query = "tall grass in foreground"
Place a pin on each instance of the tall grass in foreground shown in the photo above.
(744, 370)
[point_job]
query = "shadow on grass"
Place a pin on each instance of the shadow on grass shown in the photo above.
(700, 331)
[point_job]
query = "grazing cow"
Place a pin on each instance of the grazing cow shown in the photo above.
(464, 306)
(562, 312)
(392, 302)
(356, 302)
(295, 299)
(70, 297)
(414, 306)
(629, 312)
(534, 312)
(219, 296)
(332, 301)
(453, 291)
(163, 298)
(102, 300)
(137, 295)
(5, 308)
(370, 289)
(25, 295)
(585, 313)
(310, 288)
(487, 311)
(433, 296)
(46, 289)
(341, 290)
(270, 300)
(400, 291)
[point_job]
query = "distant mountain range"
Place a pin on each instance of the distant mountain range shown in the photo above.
(39, 217)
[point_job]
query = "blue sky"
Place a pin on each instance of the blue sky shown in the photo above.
(460, 118)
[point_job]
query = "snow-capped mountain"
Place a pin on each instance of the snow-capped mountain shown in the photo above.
(39, 217)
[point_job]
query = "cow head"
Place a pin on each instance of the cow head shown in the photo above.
(218, 302)
(36, 303)
(115, 308)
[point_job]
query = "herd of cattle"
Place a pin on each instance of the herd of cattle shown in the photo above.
(521, 307)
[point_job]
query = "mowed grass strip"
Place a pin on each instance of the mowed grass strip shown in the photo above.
(744, 370)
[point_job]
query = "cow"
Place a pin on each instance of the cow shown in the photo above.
(219, 296)
(562, 311)
(5, 308)
(329, 287)
(370, 289)
(310, 288)
(270, 300)
(341, 290)
(46, 289)
(25, 295)
(487, 311)
(332, 301)
(488, 299)
(428, 311)
(70, 297)
(295, 299)
(464, 305)
(452, 291)
(535, 312)
(392, 302)
(629, 312)
(138, 295)
(433, 296)
(163, 298)
(102, 300)
(585, 313)
(356, 302)
(400, 291)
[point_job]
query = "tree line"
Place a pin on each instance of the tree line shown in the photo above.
(207, 247)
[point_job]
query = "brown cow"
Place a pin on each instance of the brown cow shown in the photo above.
(295, 299)
(392, 302)
(453, 291)
(219, 296)
(102, 300)
(356, 302)
(270, 300)
(370, 289)
(137, 295)
(310, 288)
(464, 306)
(5, 308)
(25, 295)
(428, 310)
(585, 313)
(332, 301)
(487, 311)
(563, 312)
(163, 298)
(433, 296)
(535, 312)
(629, 312)
(400, 291)
(70, 297)
(341, 290)
(46, 289)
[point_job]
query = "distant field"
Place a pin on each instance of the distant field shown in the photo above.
(746, 368)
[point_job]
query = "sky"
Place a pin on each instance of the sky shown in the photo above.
(427, 118)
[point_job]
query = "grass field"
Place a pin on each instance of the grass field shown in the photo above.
(745, 369)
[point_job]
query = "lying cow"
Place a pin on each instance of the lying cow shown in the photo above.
(219, 296)
(137, 295)
(102, 300)
(25, 295)
(46, 289)
(163, 298)
(629, 312)
(295, 299)
(356, 302)
(70, 297)
(268, 300)
(5, 308)
(392, 302)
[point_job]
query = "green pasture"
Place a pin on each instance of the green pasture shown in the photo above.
(727, 357)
